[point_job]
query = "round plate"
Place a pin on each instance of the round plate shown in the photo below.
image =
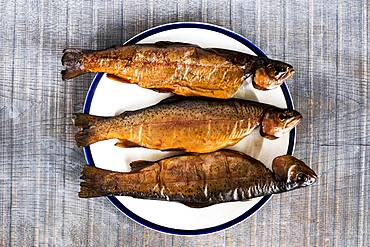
(108, 98)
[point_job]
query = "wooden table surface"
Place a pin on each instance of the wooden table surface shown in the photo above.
(326, 41)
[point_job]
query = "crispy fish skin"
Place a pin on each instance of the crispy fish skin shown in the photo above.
(189, 124)
(183, 69)
(199, 180)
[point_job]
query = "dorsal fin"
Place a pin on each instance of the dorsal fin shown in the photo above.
(126, 144)
(197, 205)
(172, 99)
(169, 43)
(140, 164)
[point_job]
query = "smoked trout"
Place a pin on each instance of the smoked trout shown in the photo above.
(188, 124)
(183, 69)
(199, 180)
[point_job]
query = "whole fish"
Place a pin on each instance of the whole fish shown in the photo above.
(189, 124)
(180, 68)
(199, 180)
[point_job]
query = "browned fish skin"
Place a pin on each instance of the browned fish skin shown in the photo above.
(183, 69)
(200, 179)
(189, 124)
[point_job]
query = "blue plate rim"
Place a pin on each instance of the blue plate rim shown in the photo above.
(116, 202)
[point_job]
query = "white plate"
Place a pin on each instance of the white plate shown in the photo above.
(109, 98)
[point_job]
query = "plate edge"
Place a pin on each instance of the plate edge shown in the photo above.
(261, 202)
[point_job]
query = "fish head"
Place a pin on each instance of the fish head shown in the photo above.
(272, 74)
(293, 172)
(276, 122)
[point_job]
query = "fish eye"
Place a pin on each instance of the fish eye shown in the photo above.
(284, 116)
(302, 178)
(279, 70)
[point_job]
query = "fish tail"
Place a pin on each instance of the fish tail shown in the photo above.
(83, 120)
(93, 184)
(84, 138)
(88, 135)
(72, 61)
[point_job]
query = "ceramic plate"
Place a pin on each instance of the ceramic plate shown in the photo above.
(108, 98)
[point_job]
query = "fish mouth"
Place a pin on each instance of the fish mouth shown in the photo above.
(294, 121)
(288, 74)
(312, 177)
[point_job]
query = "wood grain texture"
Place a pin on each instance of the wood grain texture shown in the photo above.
(327, 42)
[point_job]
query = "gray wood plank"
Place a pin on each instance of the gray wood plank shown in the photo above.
(328, 44)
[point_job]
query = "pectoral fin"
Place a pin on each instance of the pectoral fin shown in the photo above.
(126, 144)
(116, 78)
(267, 136)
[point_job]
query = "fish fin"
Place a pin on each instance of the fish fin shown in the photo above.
(117, 78)
(175, 149)
(85, 137)
(92, 186)
(126, 144)
(162, 90)
(197, 205)
(89, 134)
(169, 43)
(267, 136)
(140, 164)
(83, 120)
(172, 99)
(255, 85)
(72, 61)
